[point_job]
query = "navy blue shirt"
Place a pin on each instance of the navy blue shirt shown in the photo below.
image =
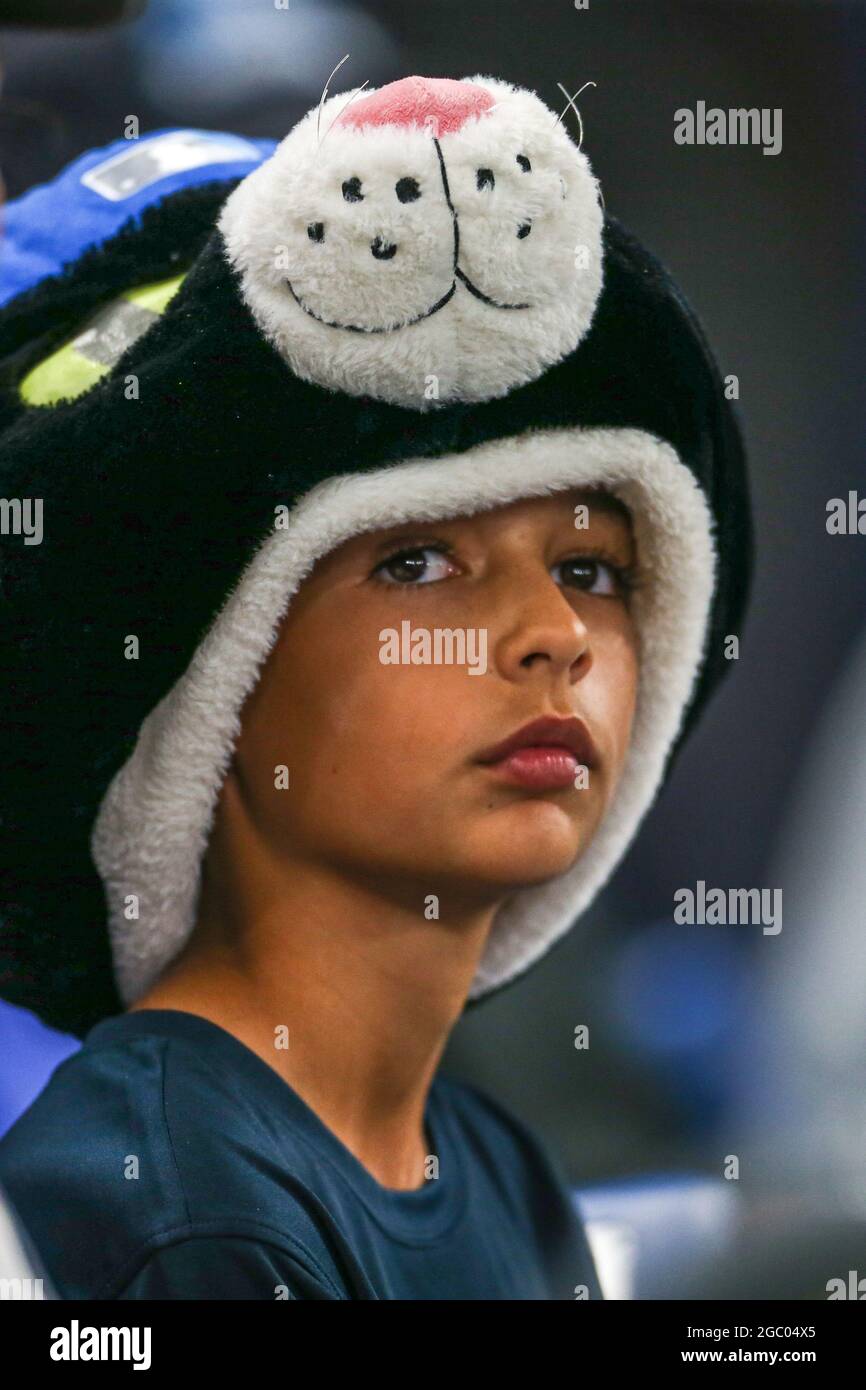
(166, 1159)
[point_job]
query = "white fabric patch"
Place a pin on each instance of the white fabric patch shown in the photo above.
(154, 820)
(149, 160)
(383, 262)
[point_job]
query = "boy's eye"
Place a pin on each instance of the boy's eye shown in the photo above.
(428, 564)
(414, 567)
(593, 576)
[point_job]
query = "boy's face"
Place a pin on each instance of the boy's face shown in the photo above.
(389, 771)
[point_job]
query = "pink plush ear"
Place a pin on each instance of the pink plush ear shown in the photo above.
(439, 103)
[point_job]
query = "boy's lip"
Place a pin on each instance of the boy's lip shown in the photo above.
(548, 732)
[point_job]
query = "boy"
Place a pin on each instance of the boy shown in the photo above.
(413, 381)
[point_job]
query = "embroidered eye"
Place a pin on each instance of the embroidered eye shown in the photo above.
(407, 190)
(352, 190)
(316, 231)
(524, 163)
(484, 178)
(524, 230)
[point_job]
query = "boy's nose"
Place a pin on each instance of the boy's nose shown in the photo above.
(439, 103)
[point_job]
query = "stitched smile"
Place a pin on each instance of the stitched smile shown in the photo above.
(425, 314)
(485, 299)
(385, 252)
(360, 328)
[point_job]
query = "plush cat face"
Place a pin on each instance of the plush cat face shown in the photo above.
(428, 242)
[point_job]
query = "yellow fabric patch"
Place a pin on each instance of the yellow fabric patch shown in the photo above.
(155, 297)
(74, 368)
(64, 375)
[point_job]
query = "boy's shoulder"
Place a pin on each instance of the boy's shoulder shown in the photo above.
(140, 1147)
(532, 1182)
(522, 1159)
(492, 1122)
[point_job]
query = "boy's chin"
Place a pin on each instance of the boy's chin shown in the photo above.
(541, 848)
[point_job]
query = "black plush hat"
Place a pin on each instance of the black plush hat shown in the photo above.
(415, 308)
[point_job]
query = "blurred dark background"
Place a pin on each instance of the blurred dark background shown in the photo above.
(705, 1041)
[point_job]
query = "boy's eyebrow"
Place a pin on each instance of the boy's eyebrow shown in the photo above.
(604, 502)
(407, 531)
(599, 500)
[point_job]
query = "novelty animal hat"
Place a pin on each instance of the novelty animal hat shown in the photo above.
(414, 307)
